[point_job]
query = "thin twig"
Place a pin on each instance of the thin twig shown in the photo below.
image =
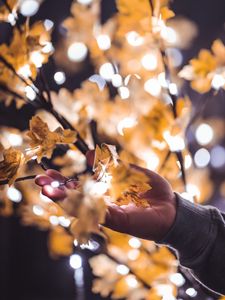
(4, 182)
(11, 12)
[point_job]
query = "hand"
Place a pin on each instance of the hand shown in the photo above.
(59, 193)
(151, 223)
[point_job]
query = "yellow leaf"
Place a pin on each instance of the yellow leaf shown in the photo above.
(105, 157)
(60, 243)
(126, 184)
(10, 165)
(43, 141)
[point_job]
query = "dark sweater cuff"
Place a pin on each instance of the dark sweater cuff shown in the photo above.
(193, 232)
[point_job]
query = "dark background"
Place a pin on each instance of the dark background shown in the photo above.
(26, 271)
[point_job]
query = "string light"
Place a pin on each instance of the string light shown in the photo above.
(37, 59)
(204, 134)
(191, 292)
(85, 2)
(149, 62)
(124, 92)
(134, 39)
(30, 93)
(55, 184)
(153, 87)
(29, 8)
(134, 243)
(177, 279)
(117, 80)
(122, 269)
(54, 220)
(24, 71)
(60, 77)
(104, 42)
(218, 81)
(77, 52)
(107, 71)
(38, 210)
(14, 195)
(202, 158)
(131, 281)
(217, 157)
(75, 261)
(14, 139)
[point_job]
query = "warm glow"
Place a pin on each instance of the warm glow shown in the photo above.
(77, 52)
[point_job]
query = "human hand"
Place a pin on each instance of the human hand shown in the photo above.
(150, 223)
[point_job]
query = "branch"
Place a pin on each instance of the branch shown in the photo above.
(4, 182)
(10, 11)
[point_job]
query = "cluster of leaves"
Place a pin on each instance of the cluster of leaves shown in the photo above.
(142, 127)
(208, 70)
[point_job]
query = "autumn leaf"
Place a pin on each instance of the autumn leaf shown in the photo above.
(126, 184)
(105, 157)
(88, 206)
(60, 243)
(43, 141)
(12, 161)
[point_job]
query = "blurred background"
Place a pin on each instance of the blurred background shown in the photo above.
(26, 269)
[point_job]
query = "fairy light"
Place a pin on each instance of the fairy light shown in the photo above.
(24, 71)
(204, 134)
(117, 80)
(131, 281)
(202, 158)
(218, 157)
(191, 292)
(55, 184)
(14, 139)
(29, 8)
(60, 77)
(133, 254)
(64, 221)
(122, 269)
(48, 48)
(151, 159)
(77, 52)
(11, 19)
(37, 59)
(90, 245)
(54, 220)
(38, 210)
(149, 62)
(134, 39)
(75, 261)
(107, 71)
(176, 143)
(30, 93)
(175, 57)
(153, 87)
(48, 24)
(173, 89)
(218, 81)
(14, 195)
(169, 34)
(126, 123)
(134, 243)
(187, 161)
(165, 291)
(177, 279)
(104, 42)
(124, 92)
(162, 80)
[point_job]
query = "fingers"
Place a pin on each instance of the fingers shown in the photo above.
(56, 194)
(56, 175)
(117, 219)
(42, 180)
